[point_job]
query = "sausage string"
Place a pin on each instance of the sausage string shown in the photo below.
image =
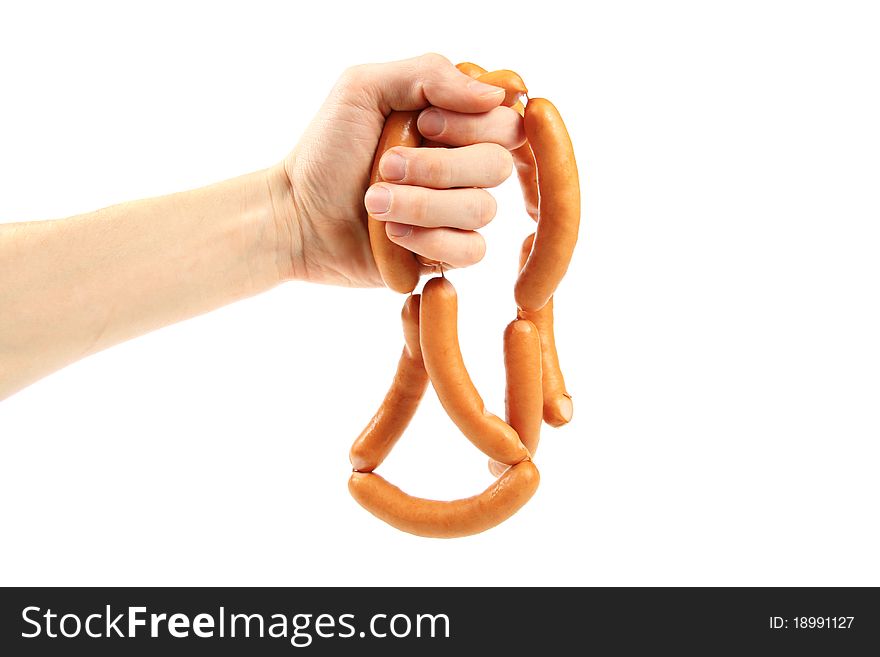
(535, 388)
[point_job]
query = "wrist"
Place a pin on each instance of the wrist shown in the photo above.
(281, 236)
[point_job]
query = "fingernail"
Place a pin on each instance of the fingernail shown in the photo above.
(484, 90)
(397, 230)
(378, 199)
(392, 166)
(432, 123)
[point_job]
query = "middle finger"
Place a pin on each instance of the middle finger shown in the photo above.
(480, 165)
(501, 125)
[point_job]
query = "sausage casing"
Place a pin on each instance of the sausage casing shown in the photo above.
(511, 82)
(558, 406)
(400, 404)
(470, 69)
(523, 396)
(434, 519)
(397, 266)
(523, 159)
(559, 205)
(438, 325)
(523, 393)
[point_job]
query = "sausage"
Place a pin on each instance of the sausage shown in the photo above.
(470, 69)
(511, 82)
(523, 395)
(434, 519)
(523, 159)
(438, 328)
(400, 404)
(535, 388)
(527, 172)
(558, 407)
(397, 265)
(477, 72)
(559, 205)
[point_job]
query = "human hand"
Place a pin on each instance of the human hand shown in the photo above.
(438, 198)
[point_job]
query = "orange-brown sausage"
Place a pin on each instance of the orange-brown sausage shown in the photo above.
(401, 402)
(558, 407)
(560, 205)
(523, 398)
(523, 395)
(511, 82)
(435, 519)
(527, 172)
(470, 69)
(438, 324)
(397, 265)
(523, 159)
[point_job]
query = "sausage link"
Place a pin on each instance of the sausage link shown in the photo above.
(434, 519)
(400, 404)
(523, 395)
(559, 205)
(558, 407)
(470, 69)
(523, 159)
(510, 81)
(409, 316)
(438, 324)
(397, 265)
(527, 172)
(524, 162)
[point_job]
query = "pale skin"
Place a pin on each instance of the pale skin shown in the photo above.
(72, 287)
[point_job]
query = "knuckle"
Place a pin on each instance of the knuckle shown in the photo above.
(486, 207)
(433, 60)
(353, 78)
(353, 73)
(503, 163)
(435, 170)
(473, 129)
(417, 206)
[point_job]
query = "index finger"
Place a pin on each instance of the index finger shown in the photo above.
(431, 79)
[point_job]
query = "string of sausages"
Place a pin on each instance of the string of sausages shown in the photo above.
(535, 388)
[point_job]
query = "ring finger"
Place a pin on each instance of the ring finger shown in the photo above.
(467, 208)
(449, 246)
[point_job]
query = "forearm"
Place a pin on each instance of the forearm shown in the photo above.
(71, 287)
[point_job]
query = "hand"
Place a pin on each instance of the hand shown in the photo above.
(437, 200)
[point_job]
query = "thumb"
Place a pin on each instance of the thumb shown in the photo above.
(413, 84)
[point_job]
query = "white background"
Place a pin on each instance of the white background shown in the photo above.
(718, 327)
